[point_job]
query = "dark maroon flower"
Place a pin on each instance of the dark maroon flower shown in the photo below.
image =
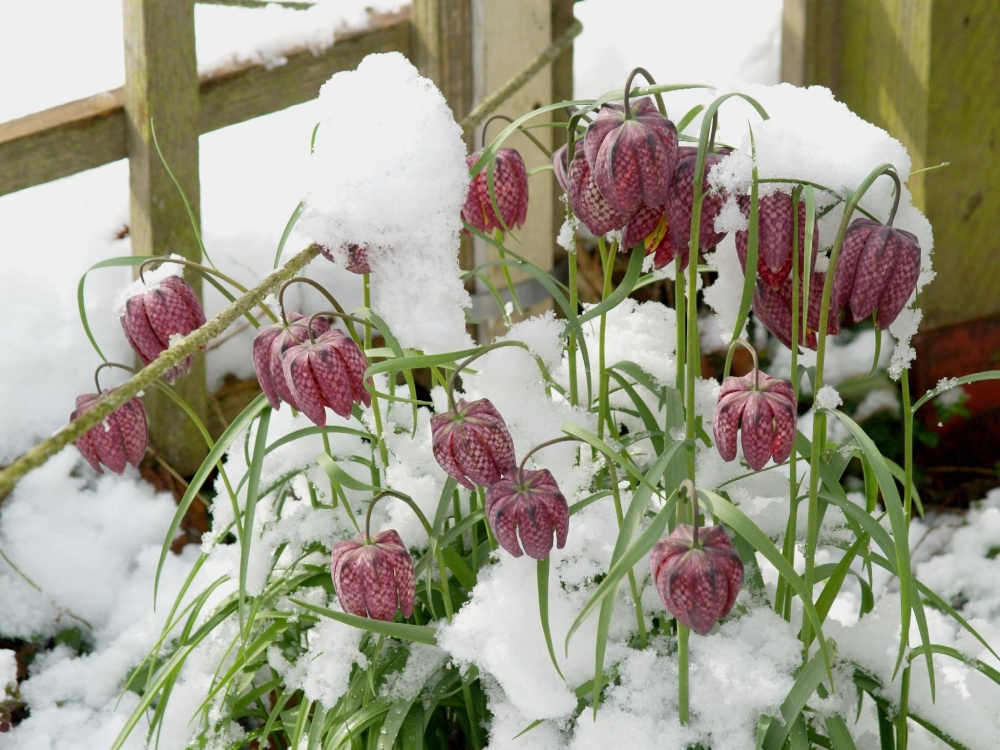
(586, 201)
(876, 272)
(326, 372)
(373, 577)
(357, 258)
(647, 225)
(680, 198)
(774, 236)
(167, 309)
(525, 508)
(773, 308)
(510, 190)
(270, 343)
(472, 443)
(119, 440)
(632, 156)
(765, 413)
(698, 584)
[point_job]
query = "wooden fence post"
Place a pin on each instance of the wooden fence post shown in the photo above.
(161, 85)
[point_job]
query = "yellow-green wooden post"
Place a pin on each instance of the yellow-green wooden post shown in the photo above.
(161, 87)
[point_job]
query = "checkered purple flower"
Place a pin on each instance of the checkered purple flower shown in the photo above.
(472, 443)
(525, 508)
(764, 413)
(374, 577)
(119, 440)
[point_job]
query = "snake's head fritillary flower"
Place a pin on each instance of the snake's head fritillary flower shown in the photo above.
(326, 372)
(166, 310)
(697, 583)
(680, 198)
(357, 257)
(525, 509)
(773, 308)
(632, 154)
(764, 412)
(270, 343)
(472, 443)
(374, 577)
(877, 271)
(586, 201)
(774, 237)
(647, 225)
(119, 440)
(510, 191)
(560, 166)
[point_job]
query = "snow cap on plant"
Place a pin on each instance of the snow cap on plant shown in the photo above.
(877, 271)
(775, 236)
(763, 410)
(698, 574)
(632, 150)
(326, 371)
(680, 199)
(157, 312)
(509, 190)
(119, 440)
(525, 508)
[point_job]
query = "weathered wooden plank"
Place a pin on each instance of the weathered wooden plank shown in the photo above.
(161, 92)
(90, 132)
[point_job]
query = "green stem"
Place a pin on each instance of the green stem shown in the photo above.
(383, 451)
(571, 344)
(608, 264)
(683, 679)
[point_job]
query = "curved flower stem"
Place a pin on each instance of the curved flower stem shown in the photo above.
(322, 290)
(505, 269)
(101, 366)
(334, 314)
(628, 87)
(209, 274)
(400, 496)
(469, 360)
(523, 131)
(819, 419)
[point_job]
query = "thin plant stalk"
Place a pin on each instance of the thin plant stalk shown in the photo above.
(383, 452)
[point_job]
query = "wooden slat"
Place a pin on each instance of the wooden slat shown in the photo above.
(88, 133)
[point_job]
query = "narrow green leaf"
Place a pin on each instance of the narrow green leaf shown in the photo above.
(401, 630)
(253, 483)
(808, 679)
(543, 611)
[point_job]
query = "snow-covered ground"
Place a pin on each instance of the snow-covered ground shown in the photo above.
(86, 547)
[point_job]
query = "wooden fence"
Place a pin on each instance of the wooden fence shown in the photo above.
(467, 48)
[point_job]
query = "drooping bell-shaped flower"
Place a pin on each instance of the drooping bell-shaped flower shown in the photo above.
(648, 225)
(166, 310)
(876, 272)
(373, 577)
(560, 166)
(357, 257)
(525, 508)
(773, 308)
(632, 151)
(326, 372)
(472, 443)
(510, 191)
(680, 198)
(774, 236)
(586, 201)
(697, 583)
(270, 343)
(119, 440)
(765, 414)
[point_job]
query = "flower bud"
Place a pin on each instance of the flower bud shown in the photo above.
(680, 198)
(119, 440)
(510, 189)
(472, 443)
(876, 272)
(327, 372)
(698, 584)
(525, 509)
(774, 237)
(632, 157)
(167, 309)
(373, 577)
(270, 343)
(766, 413)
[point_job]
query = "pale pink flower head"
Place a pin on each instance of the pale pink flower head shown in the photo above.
(374, 577)
(165, 310)
(472, 443)
(876, 272)
(765, 414)
(698, 584)
(270, 343)
(525, 509)
(117, 441)
(510, 190)
(328, 371)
